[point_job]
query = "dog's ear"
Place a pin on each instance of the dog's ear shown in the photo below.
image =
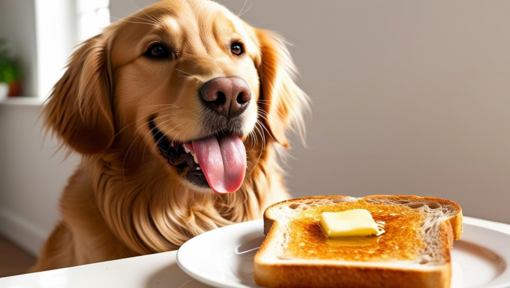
(79, 109)
(281, 99)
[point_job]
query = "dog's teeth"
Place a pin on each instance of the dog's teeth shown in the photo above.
(186, 149)
(198, 168)
(195, 158)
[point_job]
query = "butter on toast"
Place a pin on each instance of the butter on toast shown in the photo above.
(414, 250)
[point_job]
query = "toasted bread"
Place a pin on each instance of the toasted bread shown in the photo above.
(413, 252)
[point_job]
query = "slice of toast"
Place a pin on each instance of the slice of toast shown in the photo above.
(414, 250)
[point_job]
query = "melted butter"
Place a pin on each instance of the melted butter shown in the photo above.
(399, 238)
(355, 240)
(380, 226)
(352, 241)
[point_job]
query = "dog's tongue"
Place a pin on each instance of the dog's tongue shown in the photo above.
(223, 160)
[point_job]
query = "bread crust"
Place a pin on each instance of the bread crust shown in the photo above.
(302, 275)
(350, 274)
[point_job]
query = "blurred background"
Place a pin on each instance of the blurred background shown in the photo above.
(409, 97)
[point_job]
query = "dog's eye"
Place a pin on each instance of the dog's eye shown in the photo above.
(237, 48)
(157, 50)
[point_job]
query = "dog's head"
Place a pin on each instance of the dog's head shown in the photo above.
(188, 79)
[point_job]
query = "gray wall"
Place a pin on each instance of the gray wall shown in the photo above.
(122, 8)
(408, 98)
(17, 24)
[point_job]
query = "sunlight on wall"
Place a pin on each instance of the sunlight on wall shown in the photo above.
(60, 26)
(55, 37)
(93, 17)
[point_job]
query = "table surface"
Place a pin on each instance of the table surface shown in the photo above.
(149, 271)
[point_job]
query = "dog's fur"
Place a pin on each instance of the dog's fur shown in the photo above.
(124, 198)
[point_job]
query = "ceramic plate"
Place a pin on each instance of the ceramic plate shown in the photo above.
(224, 257)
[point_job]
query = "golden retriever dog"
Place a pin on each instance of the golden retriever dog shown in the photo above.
(178, 111)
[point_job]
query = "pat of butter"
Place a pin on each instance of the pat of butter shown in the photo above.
(356, 222)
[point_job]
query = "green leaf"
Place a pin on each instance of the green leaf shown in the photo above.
(10, 68)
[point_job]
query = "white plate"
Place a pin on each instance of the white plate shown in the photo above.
(224, 257)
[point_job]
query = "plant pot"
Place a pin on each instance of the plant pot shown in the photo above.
(4, 91)
(14, 89)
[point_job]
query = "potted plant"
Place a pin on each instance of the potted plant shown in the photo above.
(10, 72)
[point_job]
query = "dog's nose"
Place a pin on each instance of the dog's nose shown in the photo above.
(227, 96)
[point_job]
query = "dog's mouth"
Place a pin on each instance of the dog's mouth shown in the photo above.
(217, 161)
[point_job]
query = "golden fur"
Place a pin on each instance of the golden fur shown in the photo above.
(124, 198)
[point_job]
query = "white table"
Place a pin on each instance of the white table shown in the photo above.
(156, 270)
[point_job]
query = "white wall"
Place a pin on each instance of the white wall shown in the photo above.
(409, 98)
(32, 177)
